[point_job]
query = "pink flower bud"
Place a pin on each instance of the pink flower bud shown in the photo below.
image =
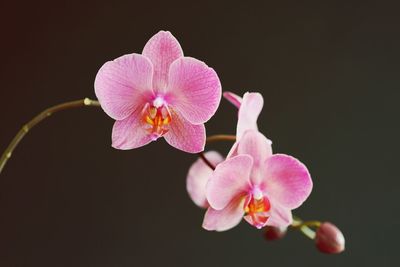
(274, 233)
(329, 239)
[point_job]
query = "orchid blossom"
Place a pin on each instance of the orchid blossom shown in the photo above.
(249, 108)
(255, 174)
(159, 93)
(257, 185)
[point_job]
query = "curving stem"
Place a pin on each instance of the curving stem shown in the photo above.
(215, 138)
(221, 137)
(38, 118)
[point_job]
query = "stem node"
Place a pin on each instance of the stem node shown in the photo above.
(25, 128)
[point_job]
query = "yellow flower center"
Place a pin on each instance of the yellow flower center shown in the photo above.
(257, 211)
(157, 120)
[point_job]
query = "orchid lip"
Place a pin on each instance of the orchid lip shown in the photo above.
(257, 210)
(156, 117)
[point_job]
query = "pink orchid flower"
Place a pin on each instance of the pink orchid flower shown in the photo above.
(257, 185)
(249, 107)
(159, 93)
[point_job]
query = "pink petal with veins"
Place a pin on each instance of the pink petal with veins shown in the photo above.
(124, 84)
(280, 216)
(249, 111)
(256, 145)
(129, 133)
(229, 180)
(194, 89)
(286, 180)
(225, 219)
(185, 136)
(162, 49)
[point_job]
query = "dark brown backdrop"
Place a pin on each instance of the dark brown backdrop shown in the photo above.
(328, 71)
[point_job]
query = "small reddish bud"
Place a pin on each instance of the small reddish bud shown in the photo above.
(274, 233)
(329, 239)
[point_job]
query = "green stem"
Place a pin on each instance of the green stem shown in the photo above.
(305, 226)
(38, 118)
(308, 232)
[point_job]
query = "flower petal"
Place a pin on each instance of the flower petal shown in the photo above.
(130, 133)
(124, 84)
(194, 89)
(249, 111)
(286, 180)
(256, 145)
(233, 98)
(225, 219)
(233, 151)
(198, 176)
(229, 180)
(185, 136)
(279, 216)
(162, 49)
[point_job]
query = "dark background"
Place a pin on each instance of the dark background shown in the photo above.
(329, 73)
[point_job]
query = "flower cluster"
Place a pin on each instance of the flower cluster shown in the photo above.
(161, 93)
(252, 182)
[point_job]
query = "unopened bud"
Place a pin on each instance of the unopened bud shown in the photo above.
(329, 239)
(274, 233)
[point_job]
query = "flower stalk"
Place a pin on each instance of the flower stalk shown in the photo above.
(305, 226)
(215, 138)
(206, 161)
(86, 102)
(221, 137)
